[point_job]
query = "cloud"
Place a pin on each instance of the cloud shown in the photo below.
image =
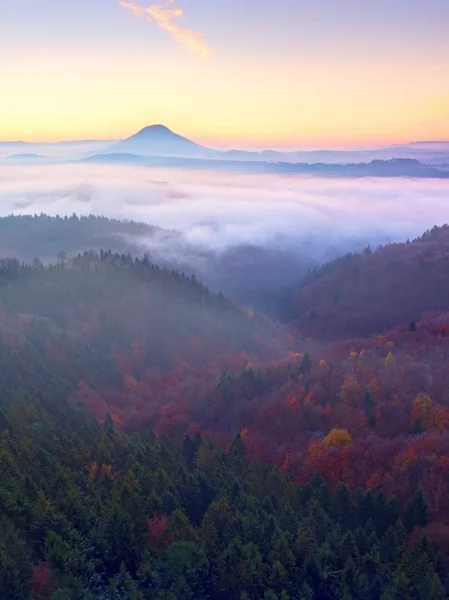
(220, 210)
(165, 18)
(244, 234)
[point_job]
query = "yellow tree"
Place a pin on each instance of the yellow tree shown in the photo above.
(350, 391)
(390, 360)
(337, 438)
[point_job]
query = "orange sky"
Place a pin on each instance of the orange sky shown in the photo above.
(172, 65)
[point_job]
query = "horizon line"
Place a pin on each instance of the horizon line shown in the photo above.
(237, 146)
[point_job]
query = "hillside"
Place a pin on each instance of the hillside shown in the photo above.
(27, 237)
(90, 513)
(361, 294)
(109, 361)
(151, 347)
(253, 275)
(133, 339)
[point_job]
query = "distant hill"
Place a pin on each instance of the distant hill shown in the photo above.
(13, 143)
(396, 167)
(120, 158)
(66, 151)
(252, 275)
(158, 140)
(442, 145)
(431, 153)
(31, 156)
(370, 292)
(41, 236)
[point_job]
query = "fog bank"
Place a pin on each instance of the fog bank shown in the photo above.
(220, 210)
(238, 231)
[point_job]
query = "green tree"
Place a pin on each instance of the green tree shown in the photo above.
(416, 512)
(398, 589)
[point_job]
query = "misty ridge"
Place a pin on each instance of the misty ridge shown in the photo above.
(250, 236)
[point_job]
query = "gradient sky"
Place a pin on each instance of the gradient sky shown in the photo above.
(226, 72)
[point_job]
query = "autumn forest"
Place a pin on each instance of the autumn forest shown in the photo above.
(162, 440)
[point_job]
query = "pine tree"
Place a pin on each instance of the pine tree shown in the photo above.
(306, 364)
(416, 512)
(399, 588)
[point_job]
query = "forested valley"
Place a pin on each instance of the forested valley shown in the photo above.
(160, 440)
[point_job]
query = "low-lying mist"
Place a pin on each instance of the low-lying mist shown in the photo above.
(251, 236)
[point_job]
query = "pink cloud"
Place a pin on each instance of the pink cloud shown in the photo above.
(165, 18)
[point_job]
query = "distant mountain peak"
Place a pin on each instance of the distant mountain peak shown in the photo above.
(157, 128)
(159, 140)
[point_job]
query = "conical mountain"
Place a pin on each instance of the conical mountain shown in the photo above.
(158, 140)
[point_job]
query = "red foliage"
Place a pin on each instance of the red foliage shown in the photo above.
(43, 584)
(353, 415)
(371, 412)
(155, 532)
(361, 294)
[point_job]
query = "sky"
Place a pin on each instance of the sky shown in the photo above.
(253, 73)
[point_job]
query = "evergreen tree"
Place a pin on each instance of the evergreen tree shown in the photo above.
(416, 512)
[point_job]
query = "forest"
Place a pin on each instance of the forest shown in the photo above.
(360, 294)
(160, 440)
(250, 273)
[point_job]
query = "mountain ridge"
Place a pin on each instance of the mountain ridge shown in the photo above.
(363, 293)
(395, 167)
(159, 140)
